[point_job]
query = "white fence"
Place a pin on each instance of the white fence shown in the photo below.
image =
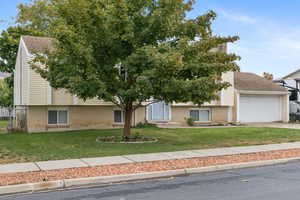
(4, 112)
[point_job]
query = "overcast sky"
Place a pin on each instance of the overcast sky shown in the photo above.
(269, 30)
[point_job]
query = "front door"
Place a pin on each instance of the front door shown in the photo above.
(159, 111)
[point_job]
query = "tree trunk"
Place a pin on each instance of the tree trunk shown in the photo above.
(127, 124)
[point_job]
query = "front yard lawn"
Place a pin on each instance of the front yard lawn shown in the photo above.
(80, 144)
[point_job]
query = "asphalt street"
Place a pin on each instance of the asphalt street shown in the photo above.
(272, 182)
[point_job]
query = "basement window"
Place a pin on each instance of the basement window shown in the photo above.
(58, 117)
(200, 115)
(119, 116)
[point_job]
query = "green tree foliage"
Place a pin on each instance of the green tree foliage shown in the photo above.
(37, 14)
(128, 52)
(6, 99)
(5, 94)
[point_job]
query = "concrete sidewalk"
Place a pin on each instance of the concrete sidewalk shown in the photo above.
(91, 162)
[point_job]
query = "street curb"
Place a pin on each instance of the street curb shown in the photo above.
(122, 178)
(32, 187)
(101, 180)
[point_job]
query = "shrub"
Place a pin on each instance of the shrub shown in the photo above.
(190, 121)
(145, 125)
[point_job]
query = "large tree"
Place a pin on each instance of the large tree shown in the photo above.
(37, 14)
(128, 52)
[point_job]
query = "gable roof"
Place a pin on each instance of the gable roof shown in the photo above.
(254, 82)
(290, 74)
(38, 44)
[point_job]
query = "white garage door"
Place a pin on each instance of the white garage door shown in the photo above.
(260, 108)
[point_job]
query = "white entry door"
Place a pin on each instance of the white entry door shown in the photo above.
(260, 108)
(159, 111)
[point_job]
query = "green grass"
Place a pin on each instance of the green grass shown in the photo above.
(3, 124)
(78, 144)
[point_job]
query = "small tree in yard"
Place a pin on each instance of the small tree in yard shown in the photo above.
(6, 99)
(128, 52)
(268, 76)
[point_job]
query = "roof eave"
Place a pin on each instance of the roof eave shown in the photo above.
(290, 74)
(261, 92)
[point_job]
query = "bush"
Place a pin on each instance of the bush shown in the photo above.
(190, 121)
(145, 125)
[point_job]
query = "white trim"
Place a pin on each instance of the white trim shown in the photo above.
(28, 83)
(237, 107)
(222, 97)
(170, 112)
(287, 102)
(201, 109)
(49, 94)
(26, 50)
(57, 110)
(290, 74)
(151, 107)
(263, 92)
(146, 113)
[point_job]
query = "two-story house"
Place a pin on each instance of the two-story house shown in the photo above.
(42, 108)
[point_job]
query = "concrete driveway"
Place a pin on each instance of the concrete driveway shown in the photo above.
(275, 125)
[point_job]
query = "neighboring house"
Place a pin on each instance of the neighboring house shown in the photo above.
(250, 99)
(292, 83)
(292, 80)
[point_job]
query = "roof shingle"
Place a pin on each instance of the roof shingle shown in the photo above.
(253, 82)
(38, 44)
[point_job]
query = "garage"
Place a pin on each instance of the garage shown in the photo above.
(260, 108)
(259, 100)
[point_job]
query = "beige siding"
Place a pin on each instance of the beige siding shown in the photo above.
(80, 117)
(181, 113)
(285, 108)
(227, 95)
(38, 89)
(61, 97)
(98, 117)
(17, 80)
(220, 114)
(25, 68)
(21, 84)
(37, 119)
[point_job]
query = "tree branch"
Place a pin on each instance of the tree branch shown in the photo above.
(140, 104)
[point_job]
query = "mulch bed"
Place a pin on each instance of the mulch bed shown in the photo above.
(132, 168)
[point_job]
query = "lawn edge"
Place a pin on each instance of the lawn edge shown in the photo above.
(106, 180)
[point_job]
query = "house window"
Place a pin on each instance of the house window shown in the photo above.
(57, 117)
(200, 115)
(118, 116)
